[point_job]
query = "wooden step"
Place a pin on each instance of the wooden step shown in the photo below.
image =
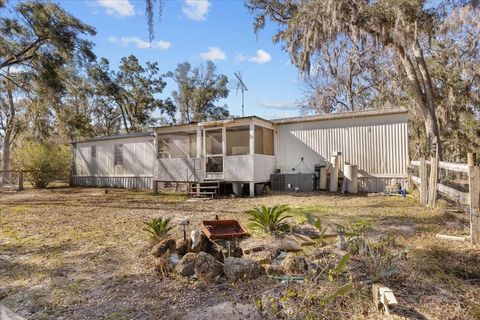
(202, 192)
(204, 187)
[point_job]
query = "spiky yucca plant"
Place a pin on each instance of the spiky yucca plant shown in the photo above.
(158, 228)
(269, 219)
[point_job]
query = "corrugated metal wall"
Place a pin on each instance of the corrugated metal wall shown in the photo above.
(378, 145)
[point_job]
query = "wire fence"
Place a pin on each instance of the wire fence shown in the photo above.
(20, 179)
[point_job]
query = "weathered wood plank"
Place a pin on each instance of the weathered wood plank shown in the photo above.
(474, 196)
(447, 237)
(423, 182)
(416, 180)
(453, 194)
(458, 167)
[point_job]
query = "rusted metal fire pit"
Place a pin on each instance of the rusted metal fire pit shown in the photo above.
(223, 229)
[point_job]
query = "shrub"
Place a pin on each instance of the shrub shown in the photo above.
(158, 228)
(42, 163)
(269, 219)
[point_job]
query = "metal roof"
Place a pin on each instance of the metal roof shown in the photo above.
(118, 136)
(205, 123)
(343, 115)
(317, 117)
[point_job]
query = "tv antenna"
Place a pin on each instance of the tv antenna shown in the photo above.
(242, 87)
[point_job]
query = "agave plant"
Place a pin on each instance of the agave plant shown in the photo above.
(269, 219)
(158, 228)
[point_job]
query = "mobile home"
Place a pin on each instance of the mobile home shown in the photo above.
(247, 151)
(121, 161)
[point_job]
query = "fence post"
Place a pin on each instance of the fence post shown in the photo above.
(474, 198)
(423, 181)
(471, 159)
(432, 198)
(20, 181)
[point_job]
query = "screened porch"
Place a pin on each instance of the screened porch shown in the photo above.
(237, 150)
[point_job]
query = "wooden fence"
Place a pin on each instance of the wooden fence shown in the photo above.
(429, 186)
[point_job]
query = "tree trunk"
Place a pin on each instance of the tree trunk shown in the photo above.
(431, 123)
(423, 99)
(124, 117)
(7, 139)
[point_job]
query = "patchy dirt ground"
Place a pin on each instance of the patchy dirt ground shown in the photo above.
(81, 254)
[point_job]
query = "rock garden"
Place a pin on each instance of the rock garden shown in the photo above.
(309, 263)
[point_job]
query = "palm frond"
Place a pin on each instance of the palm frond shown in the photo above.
(158, 228)
(268, 219)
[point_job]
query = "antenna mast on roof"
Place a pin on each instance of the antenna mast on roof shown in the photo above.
(240, 85)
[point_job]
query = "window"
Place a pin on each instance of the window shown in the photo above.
(163, 149)
(94, 152)
(118, 156)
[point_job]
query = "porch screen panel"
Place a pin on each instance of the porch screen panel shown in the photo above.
(174, 146)
(213, 141)
(238, 141)
(264, 141)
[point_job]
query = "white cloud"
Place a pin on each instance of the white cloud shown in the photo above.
(240, 57)
(196, 9)
(141, 44)
(261, 57)
(122, 8)
(213, 53)
(279, 104)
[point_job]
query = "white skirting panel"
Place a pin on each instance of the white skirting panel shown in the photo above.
(139, 183)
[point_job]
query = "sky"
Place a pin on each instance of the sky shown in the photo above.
(196, 31)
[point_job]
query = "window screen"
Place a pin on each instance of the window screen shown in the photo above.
(264, 141)
(118, 159)
(238, 141)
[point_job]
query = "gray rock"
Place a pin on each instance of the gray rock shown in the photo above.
(200, 243)
(8, 314)
(207, 267)
(262, 257)
(182, 246)
(186, 265)
(241, 269)
(307, 230)
(294, 264)
(279, 258)
(287, 245)
(225, 311)
(159, 249)
(273, 270)
(250, 245)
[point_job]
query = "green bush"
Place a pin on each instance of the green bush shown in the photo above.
(158, 228)
(269, 219)
(42, 163)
